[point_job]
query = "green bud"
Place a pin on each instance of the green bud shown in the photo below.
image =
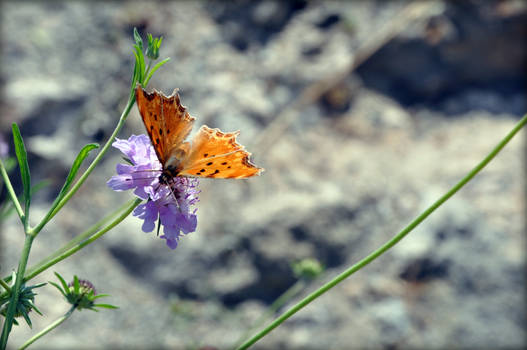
(80, 293)
(152, 51)
(307, 268)
(26, 302)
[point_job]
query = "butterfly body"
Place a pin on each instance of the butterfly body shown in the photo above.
(211, 153)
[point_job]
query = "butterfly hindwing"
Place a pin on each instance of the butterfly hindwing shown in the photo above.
(216, 154)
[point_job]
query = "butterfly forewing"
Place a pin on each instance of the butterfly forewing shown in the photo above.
(216, 154)
(166, 120)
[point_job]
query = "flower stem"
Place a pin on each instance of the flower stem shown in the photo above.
(79, 241)
(277, 304)
(88, 171)
(374, 255)
(49, 328)
(11, 308)
(82, 240)
(11, 192)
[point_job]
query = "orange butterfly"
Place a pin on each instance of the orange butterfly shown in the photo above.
(211, 153)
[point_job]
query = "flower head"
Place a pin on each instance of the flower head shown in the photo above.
(169, 204)
(26, 301)
(80, 293)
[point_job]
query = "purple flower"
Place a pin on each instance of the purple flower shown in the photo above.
(170, 204)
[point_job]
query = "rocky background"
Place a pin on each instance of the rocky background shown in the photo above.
(363, 113)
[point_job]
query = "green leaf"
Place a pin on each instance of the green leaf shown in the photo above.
(75, 169)
(100, 296)
(156, 67)
(138, 39)
(76, 284)
(140, 60)
(21, 155)
(37, 310)
(106, 306)
(62, 281)
(57, 286)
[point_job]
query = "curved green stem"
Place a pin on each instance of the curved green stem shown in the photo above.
(374, 255)
(48, 329)
(277, 304)
(88, 171)
(11, 192)
(81, 241)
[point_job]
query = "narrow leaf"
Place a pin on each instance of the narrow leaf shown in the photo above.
(37, 310)
(75, 168)
(100, 296)
(76, 284)
(21, 155)
(106, 306)
(156, 67)
(62, 281)
(137, 38)
(57, 286)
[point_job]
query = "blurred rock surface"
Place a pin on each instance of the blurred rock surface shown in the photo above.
(348, 173)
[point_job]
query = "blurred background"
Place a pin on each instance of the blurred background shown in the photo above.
(363, 113)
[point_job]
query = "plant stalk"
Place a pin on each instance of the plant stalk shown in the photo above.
(49, 328)
(375, 254)
(11, 308)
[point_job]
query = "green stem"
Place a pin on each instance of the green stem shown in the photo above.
(84, 235)
(79, 241)
(5, 286)
(278, 303)
(147, 70)
(374, 255)
(8, 323)
(88, 171)
(48, 329)
(85, 239)
(11, 192)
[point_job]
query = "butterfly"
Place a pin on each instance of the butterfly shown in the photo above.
(211, 153)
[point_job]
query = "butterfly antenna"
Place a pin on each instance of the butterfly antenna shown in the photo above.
(173, 194)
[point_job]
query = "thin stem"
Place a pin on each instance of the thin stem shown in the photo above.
(49, 328)
(8, 323)
(374, 255)
(81, 244)
(88, 171)
(57, 256)
(148, 68)
(11, 192)
(277, 304)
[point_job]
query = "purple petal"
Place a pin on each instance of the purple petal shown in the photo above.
(171, 243)
(149, 213)
(120, 182)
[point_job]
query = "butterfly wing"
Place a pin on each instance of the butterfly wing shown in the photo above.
(166, 120)
(216, 154)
